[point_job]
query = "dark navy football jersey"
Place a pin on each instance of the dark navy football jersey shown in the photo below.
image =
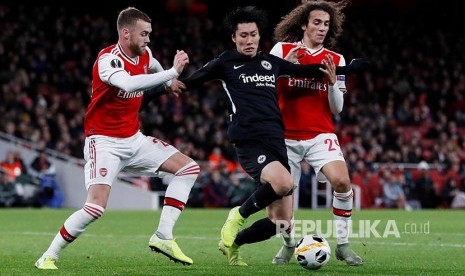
(249, 83)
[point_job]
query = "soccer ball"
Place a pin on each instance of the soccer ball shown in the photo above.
(312, 252)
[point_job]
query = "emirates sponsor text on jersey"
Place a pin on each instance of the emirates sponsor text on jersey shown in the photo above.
(308, 83)
(129, 95)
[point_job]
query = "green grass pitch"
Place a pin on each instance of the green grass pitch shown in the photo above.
(414, 243)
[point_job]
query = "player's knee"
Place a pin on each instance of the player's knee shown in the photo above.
(283, 190)
(283, 186)
(341, 184)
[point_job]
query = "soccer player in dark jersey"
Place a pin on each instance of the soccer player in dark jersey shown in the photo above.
(256, 129)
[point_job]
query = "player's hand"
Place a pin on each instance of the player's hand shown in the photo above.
(329, 69)
(293, 55)
(181, 59)
(176, 88)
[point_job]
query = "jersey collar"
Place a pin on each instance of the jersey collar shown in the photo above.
(310, 50)
(126, 57)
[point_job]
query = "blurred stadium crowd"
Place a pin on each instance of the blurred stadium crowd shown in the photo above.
(409, 108)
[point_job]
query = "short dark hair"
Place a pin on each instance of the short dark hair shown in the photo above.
(249, 14)
(129, 16)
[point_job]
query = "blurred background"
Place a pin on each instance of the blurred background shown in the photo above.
(402, 129)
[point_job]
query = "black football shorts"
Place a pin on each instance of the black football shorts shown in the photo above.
(254, 155)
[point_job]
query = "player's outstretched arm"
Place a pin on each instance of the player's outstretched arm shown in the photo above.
(175, 89)
(112, 72)
(356, 66)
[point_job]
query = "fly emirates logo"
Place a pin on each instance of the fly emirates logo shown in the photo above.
(129, 95)
(259, 80)
(308, 84)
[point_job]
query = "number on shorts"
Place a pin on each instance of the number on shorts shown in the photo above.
(330, 144)
(155, 140)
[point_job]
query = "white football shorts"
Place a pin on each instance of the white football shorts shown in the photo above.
(107, 156)
(317, 152)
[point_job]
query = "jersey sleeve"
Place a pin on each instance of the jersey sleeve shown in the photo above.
(341, 79)
(277, 50)
(111, 71)
(208, 72)
(289, 69)
(108, 65)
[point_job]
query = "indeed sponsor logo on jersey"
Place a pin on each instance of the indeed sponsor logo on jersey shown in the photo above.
(260, 80)
(129, 95)
(308, 83)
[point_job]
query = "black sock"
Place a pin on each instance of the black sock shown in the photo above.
(261, 198)
(259, 231)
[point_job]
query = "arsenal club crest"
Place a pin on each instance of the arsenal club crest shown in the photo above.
(103, 172)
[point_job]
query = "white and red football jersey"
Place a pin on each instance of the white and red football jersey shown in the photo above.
(304, 102)
(113, 111)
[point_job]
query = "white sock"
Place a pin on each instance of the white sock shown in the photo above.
(74, 226)
(176, 197)
(342, 210)
(288, 239)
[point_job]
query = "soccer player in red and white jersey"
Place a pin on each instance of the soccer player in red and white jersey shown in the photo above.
(307, 106)
(114, 142)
